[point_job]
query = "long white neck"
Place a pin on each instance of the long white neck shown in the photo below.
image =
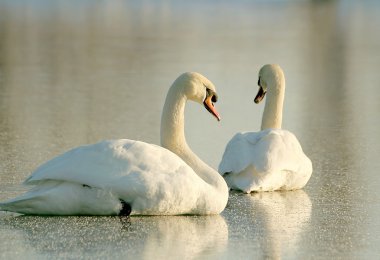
(272, 115)
(173, 137)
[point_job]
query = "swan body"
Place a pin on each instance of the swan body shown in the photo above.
(268, 160)
(100, 179)
(271, 159)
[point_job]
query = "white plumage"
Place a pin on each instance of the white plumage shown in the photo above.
(271, 159)
(268, 160)
(152, 180)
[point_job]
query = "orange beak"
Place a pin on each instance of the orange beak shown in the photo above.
(210, 107)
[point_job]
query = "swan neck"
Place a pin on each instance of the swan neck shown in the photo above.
(272, 115)
(172, 119)
(173, 137)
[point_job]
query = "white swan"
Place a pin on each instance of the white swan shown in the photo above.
(126, 176)
(271, 159)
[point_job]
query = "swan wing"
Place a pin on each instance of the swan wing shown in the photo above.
(283, 152)
(152, 179)
(240, 152)
(119, 165)
(267, 151)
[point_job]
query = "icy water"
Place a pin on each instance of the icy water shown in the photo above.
(76, 72)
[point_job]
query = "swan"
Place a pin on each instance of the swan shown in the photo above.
(123, 177)
(271, 159)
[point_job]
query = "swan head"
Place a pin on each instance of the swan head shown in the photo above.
(269, 77)
(201, 90)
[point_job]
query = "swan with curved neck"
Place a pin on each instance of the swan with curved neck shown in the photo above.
(173, 122)
(122, 177)
(271, 159)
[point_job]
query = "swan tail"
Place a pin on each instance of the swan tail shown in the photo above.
(24, 204)
(18, 205)
(64, 198)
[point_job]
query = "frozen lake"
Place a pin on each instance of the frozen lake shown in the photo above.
(77, 72)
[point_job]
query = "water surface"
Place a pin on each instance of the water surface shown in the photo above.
(76, 72)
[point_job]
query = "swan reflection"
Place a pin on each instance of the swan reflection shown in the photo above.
(271, 222)
(108, 237)
(187, 237)
(284, 216)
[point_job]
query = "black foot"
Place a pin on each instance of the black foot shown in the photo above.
(125, 209)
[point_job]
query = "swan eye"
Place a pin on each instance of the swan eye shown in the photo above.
(258, 82)
(214, 96)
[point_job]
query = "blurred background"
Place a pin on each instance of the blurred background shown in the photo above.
(76, 72)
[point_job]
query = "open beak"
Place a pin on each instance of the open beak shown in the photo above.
(260, 95)
(210, 107)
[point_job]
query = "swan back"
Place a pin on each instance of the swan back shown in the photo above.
(272, 159)
(107, 161)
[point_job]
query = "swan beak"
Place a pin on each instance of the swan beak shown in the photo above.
(210, 107)
(260, 95)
